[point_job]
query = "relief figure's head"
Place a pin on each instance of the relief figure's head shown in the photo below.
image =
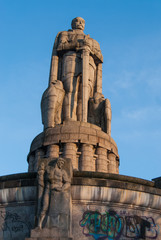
(78, 23)
(60, 162)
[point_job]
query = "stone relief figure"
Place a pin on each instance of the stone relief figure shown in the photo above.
(40, 178)
(51, 104)
(99, 112)
(52, 179)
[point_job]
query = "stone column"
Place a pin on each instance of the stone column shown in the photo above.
(53, 151)
(99, 78)
(112, 163)
(39, 153)
(87, 162)
(85, 77)
(101, 162)
(70, 151)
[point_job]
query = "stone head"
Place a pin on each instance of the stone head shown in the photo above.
(60, 162)
(78, 23)
(98, 97)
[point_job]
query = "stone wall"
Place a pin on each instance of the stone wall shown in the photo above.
(17, 206)
(105, 206)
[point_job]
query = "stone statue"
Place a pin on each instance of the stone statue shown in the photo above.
(40, 178)
(75, 81)
(52, 179)
(99, 112)
(51, 104)
(76, 62)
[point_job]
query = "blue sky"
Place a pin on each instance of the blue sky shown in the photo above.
(129, 33)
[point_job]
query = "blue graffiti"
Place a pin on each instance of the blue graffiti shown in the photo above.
(102, 226)
(112, 226)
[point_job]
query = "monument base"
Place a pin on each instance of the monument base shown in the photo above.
(109, 204)
(49, 234)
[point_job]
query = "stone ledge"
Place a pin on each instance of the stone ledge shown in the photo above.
(88, 174)
(18, 180)
(85, 178)
(115, 184)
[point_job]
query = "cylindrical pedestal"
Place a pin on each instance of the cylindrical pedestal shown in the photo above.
(87, 158)
(101, 162)
(78, 141)
(53, 151)
(70, 151)
(112, 167)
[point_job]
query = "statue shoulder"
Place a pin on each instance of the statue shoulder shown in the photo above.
(58, 38)
(96, 49)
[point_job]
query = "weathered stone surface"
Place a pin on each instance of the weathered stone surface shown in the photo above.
(53, 216)
(93, 195)
(75, 133)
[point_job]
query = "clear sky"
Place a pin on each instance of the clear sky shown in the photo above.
(129, 33)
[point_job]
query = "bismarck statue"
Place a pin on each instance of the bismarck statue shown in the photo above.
(73, 190)
(75, 82)
(77, 130)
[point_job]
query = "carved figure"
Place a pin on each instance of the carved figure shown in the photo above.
(75, 60)
(51, 104)
(100, 112)
(75, 81)
(40, 178)
(55, 179)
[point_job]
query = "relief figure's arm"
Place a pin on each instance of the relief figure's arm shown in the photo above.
(67, 181)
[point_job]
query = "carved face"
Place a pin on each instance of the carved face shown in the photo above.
(78, 23)
(60, 163)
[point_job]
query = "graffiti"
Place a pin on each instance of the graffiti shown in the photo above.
(112, 226)
(13, 225)
(102, 226)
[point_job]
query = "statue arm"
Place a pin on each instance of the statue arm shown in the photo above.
(65, 43)
(66, 181)
(96, 50)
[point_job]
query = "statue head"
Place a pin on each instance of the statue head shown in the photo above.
(60, 162)
(98, 97)
(78, 23)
